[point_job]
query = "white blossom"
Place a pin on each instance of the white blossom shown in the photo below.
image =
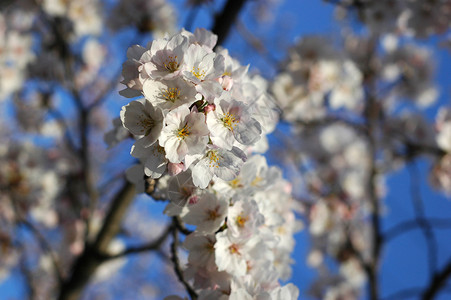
(143, 119)
(185, 133)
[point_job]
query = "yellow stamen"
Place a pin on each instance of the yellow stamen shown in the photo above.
(170, 94)
(256, 181)
(146, 123)
(241, 221)
(236, 183)
(184, 132)
(171, 64)
(212, 214)
(234, 249)
(214, 158)
(229, 121)
(200, 74)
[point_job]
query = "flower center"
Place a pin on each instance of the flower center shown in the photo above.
(256, 181)
(212, 214)
(241, 221)
(170, 94)
(214, 157)
(146, 123)
(200, 74)
(235, 183)
(229, 121)
(158, 150)
(183, 132)
(234, 249)
(171, 64)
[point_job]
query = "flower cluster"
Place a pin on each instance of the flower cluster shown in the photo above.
(335, 171)
(31, 179)
(332, 96)
(201, 110)
(244, 232)
(202, 115)
(409, 70)
(313, 71)
(15, 52)
(414, 17)
(84, 15)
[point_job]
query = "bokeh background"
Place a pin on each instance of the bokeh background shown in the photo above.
(261, 40)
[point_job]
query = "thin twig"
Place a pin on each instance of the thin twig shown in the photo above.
(404, 294)
(27, 275)
(58, 116)
(372, 113)
(437, 282)
(405, 227)
(255, 43)
(420, 217)
(44, 244)
(86, 264)
(101, 98)
(176, 262)
(154, 245)
(180, 226)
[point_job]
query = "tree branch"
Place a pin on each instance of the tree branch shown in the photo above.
(180, 227)
(404, 294)
(45, 246)
(437, 282)
(154, 245)
(428, 233)
(372, 112)
(176, 262)
(225, 20)
(407, 226)
(43, 243)
(86, 264)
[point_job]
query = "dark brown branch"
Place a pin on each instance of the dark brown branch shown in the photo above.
(62, 46)
(428, 233)
(358, 4)
(437, 282)
(86, 264)
(360, 128)
(103, 95)
(177, 268)
(404, 294)
(225, 20)
(45, 246)
(180, 226)
(407, 226)
(372, 113)
(414, 148)
(28, 276)
(154, 245)
(58, 116)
